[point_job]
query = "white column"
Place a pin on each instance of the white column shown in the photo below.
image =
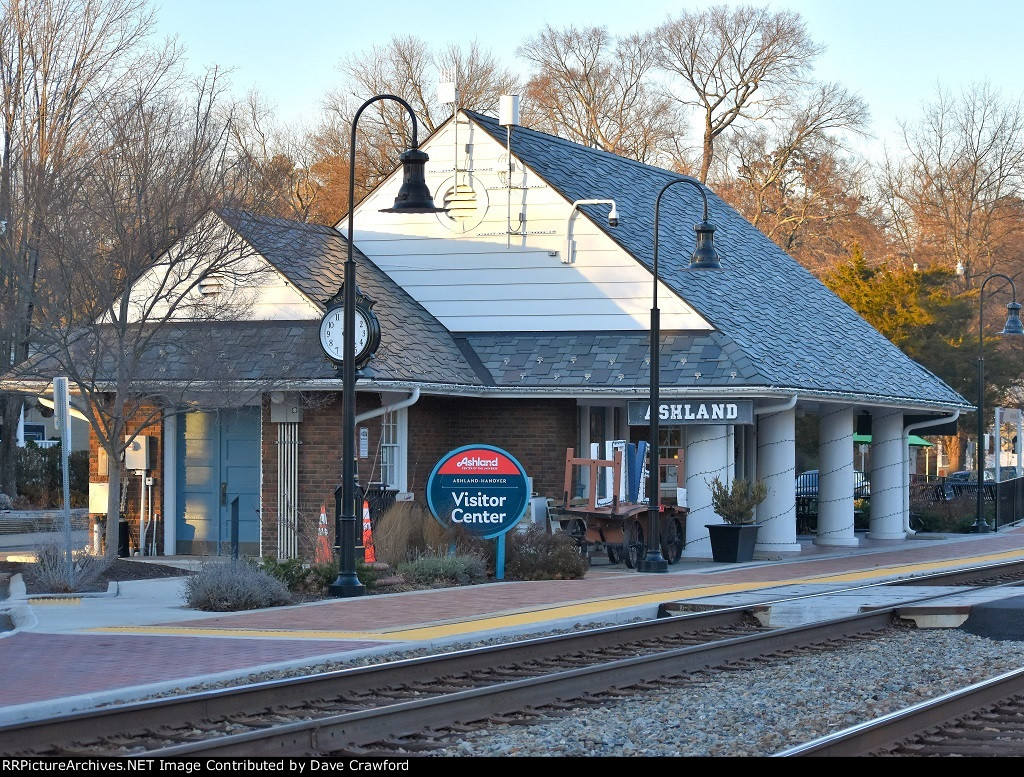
(835, 478)
(776, 466)
(708, 454)
(170, 478)
(888, 484)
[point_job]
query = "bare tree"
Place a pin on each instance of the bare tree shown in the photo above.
(132, 247)
(734, 64)
(955, 196)
(279, 162)
(57, 57)
(796, 179)
(593, 88)
(407, 67)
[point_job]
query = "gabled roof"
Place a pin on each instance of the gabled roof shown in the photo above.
(791, 328)
(312, 257)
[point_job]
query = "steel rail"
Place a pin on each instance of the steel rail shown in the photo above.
(889, 730)
(30, 736)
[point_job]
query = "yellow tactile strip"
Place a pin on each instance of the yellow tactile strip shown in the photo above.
(533, 615)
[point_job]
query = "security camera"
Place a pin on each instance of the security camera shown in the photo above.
(613, 217)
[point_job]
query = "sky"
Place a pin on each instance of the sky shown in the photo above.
(893, 53)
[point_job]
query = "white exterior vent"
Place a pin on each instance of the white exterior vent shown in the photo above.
(460, 200)
(211, 285)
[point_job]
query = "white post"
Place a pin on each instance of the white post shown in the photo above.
(62, 418)
(888, 481)
(707, 456)
(835, 479)
(776, 466)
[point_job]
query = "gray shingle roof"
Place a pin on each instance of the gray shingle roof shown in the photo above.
(611, 360)
(414, 345)
(791, 329)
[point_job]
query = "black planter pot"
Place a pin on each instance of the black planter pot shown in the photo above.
(732, 542)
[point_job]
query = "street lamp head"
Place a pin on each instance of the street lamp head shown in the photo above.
(1013, 325)
(414, 196)
(705, 256)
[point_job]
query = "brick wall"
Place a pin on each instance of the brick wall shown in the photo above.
(134, 493)
(535, 432)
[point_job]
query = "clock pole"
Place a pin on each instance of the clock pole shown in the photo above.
(413, 197)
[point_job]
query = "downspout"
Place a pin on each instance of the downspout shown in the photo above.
(906, 460)
(409, 400)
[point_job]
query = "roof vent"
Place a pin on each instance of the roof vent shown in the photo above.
(211, 285)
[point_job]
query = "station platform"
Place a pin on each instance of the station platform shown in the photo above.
(81, 651)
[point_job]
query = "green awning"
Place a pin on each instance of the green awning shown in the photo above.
(865, 439)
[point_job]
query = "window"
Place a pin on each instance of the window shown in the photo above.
(392, 450)
(35, 432)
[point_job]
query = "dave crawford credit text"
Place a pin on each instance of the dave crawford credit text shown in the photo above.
(295, 765)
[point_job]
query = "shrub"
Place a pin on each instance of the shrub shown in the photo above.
(537, 555)
(5, 502)
(229, 586)
(305, 578)
(440, 570)
(406, 531)
(300, 576)
(55, 574)
(950, 516)
(40, 479)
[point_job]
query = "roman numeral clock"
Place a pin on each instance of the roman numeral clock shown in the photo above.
(366, 335)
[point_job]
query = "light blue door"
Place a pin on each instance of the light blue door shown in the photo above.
(218, 476)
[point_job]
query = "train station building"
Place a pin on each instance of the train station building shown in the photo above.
(520, 318)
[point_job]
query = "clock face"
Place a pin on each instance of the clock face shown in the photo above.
(332, 333)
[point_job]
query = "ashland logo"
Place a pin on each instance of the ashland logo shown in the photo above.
(477, 461)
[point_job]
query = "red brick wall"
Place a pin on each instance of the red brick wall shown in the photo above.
(535, 432)
(134, 494)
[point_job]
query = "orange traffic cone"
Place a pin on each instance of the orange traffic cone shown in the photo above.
(368, 555)
(323, 542)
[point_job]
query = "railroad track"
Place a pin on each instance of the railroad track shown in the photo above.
(415, 705)
(983, 719)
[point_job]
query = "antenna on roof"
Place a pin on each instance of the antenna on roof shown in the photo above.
(508, 117)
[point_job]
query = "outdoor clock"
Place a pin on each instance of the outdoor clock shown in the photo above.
(366, 335)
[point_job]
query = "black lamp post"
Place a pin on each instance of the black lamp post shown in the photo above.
(1013, 327)
(413, 197)
(704, 257)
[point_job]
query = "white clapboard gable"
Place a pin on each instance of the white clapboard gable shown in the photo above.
(481, 268)
(246, 287)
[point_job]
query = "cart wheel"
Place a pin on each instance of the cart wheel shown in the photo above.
(578, 531)
(634, 544)
(672, 540)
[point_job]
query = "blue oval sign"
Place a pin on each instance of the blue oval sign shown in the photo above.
(481, 488)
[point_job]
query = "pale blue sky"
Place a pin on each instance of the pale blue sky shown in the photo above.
(892, 52)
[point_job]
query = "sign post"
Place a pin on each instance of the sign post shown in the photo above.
(481, 488)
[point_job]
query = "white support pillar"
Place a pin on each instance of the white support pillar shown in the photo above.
(776, 466)
(708, 454)
(835, 479)
(888, 485)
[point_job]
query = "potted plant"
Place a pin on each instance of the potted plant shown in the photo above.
(734, 540)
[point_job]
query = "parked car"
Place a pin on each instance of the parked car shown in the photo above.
(968, 477)
(807, 484)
